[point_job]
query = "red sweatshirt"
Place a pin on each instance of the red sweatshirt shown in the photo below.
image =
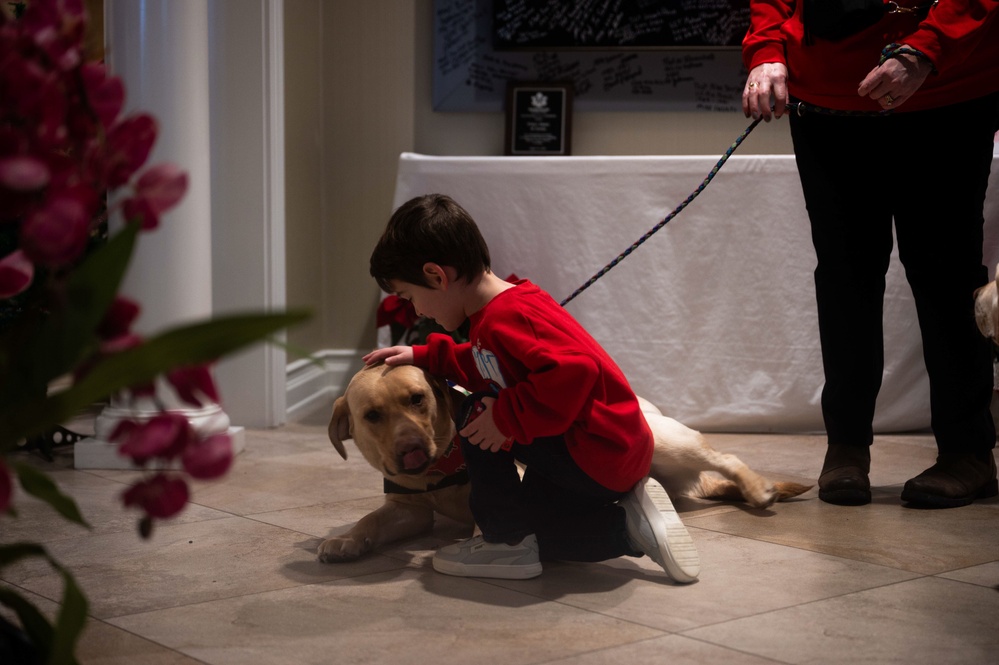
(553, 379)
(960, 37)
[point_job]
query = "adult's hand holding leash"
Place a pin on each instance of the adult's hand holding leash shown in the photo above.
(765, 81)
(896, 79)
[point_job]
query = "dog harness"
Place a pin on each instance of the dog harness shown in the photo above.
(450, 465)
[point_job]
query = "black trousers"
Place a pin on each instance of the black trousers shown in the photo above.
(574, 517)
(928, 171)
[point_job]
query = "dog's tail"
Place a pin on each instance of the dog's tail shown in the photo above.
(722, 489)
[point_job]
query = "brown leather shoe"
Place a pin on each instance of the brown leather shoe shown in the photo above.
(844, 480)
(955, 480)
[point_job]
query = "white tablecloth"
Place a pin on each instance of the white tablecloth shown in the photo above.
(713, 319)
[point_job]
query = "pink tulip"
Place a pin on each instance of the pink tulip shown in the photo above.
(120, 343)
(57, 234)
(6, 487)
(164, 436)
(105, 94)
(118, 319)
(193, 383)
(16, 273)
(157, 190)
(210, 458)
(129, 143)
(23, 173)
(56, 27)
(160, 496)
(39, 99)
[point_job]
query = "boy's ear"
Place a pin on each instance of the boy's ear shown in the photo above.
(436, 275)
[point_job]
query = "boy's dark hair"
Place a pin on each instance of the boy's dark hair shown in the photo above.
(428, 229)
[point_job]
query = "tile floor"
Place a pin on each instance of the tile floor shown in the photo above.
(234, 580)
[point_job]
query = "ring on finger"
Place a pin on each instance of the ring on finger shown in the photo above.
(889, 99)
(752, 85)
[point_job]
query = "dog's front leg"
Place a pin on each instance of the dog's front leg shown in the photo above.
(394, 520)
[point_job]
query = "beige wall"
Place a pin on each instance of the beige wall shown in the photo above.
(358, 92)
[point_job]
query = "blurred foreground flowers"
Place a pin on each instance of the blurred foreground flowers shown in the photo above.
(64, 147)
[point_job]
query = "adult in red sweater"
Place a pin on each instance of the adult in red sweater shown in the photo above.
(897, 124)
(543, 393)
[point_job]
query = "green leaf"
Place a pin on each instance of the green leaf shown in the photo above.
(72, 618)
(43, 347)
(16, 551)
(35, 625)
(40, 486)
(58, 642)
(188, 345)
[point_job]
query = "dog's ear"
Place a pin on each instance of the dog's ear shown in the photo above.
(339, 428)
(443, 393)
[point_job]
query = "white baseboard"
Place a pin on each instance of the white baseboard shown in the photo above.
(311, 382)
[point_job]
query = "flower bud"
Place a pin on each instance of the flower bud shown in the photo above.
(159, 497)
(210, 458)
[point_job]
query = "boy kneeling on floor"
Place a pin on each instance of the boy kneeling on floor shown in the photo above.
(544, 392)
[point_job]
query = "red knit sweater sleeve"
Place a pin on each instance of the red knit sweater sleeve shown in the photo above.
(441, 356)
(953, 30)
(763, 41)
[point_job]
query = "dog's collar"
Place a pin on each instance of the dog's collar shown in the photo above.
(451, 463)
(459, 478)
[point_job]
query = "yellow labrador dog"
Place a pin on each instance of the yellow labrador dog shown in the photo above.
(400, 418)
(987, 310)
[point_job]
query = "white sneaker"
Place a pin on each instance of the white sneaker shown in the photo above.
(655, 529)
(477, 558)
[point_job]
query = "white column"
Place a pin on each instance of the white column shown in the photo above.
(160, 50)
(248, 204)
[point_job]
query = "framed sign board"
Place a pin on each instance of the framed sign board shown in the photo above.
(538, 118)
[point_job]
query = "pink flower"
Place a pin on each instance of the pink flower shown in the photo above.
(56, 27)
(16, 273)
(105, 94)
(23, 173)
(120, 343)
(39, 100)
(129, 142)
(164, 436)
(209, 458)
(160, 496)
(118, 319)
(157, 190)
(193, 383)
(6, 487)
(57, 234)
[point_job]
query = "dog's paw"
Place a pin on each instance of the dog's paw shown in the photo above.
(761, 497)
(342, 549)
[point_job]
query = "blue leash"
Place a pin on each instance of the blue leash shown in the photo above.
(620, 257)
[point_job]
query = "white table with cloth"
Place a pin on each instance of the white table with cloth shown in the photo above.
(713, 319)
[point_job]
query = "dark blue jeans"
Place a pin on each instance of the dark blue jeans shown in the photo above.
(574, 517)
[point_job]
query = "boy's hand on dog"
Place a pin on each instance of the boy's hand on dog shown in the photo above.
(482, 431)
(393, 355)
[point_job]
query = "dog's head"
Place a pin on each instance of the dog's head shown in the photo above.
(987, 310)
(399, 418)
